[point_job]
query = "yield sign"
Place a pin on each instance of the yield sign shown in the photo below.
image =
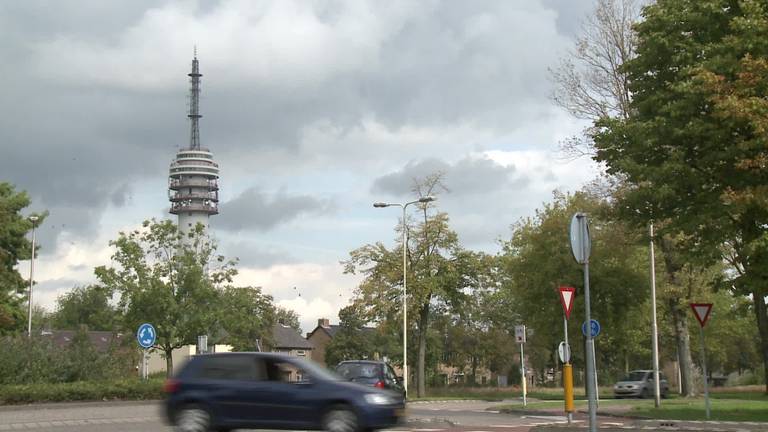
(566, 298)
(701, 310)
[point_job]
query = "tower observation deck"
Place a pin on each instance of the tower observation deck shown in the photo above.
(193, 187)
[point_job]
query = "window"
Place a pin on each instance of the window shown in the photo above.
(301, 353)
(233, 367)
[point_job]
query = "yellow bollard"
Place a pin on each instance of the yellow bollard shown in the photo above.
(568, 387)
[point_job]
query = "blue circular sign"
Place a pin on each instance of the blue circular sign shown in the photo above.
(146, 335)
(594, 326)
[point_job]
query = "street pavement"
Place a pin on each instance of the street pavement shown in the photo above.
(443, 416)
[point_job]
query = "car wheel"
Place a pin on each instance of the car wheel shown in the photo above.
(193, 418)
(340, 418)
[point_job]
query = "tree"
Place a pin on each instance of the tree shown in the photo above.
(590, 83)
(247, 316)
(86, 305)
(694, 145)
(14, 246)
(351, 341)
(434, 258)
(537, 260)
(168, 281)
(288, 317)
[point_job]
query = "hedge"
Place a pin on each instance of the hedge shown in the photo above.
(125, 389)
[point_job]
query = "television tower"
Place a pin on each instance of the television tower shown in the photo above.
(193, 175)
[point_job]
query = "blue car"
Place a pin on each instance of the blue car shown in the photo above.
(225, 391)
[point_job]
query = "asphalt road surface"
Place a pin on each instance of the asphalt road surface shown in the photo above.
(458, 416)
(147, 417)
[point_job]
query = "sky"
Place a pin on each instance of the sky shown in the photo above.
(313, 109)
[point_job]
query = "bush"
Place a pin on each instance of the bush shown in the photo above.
(37, 360)
(126, 389)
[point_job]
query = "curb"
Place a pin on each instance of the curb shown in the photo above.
(79, 404)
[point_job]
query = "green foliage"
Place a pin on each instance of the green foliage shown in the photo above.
(288, 317)
(168, 280)
(86, 305)
(537, 260)
(37, 360)
(352, 341)
(694, 146)
(14, 246)
(124, 389)
(247, 315)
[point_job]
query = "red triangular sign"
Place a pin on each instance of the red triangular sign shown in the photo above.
(566, 298)
(701, 310)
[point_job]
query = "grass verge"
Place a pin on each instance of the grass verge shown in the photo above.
(128, 389)
(694, 409)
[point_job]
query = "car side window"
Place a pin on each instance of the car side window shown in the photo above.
(282, 371)
(234, 368)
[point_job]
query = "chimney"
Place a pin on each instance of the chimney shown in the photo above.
(324, 322)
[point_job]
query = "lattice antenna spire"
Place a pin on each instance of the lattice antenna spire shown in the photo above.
(194, 103)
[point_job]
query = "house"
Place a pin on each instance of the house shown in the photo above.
(321, 336)
(285, 340)
(101, 341)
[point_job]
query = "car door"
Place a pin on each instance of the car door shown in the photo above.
(231, 383)
(292, 395)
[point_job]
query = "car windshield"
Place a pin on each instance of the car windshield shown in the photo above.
(358, 370)
(635, 376)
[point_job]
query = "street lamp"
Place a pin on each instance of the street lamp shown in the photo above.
(32, 219)
(422, 200)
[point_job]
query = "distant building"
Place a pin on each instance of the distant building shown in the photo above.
(102, 341)
(287, 340)
(322, 335)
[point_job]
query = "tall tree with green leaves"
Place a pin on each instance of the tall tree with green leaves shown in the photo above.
(168, 282)
(247, 316)
(86, 306)
(352, 341)
(694, 147)
(434, 265)
(537, 260)
(288, 317)
(14, 247)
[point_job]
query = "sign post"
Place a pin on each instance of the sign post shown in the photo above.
(702, 311)
(146, 336)
(567, 295)
(581, 247)
(520, 338)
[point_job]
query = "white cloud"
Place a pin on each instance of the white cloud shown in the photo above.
(312, 290)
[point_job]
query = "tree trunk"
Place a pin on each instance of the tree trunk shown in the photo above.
(474, 370)
(672, 266)
(168, 362)
(420, 372)
(762, 326)
(683, 340)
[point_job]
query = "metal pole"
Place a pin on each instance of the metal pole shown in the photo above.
(594, 368)
(524, 380)
(704, 367)
(31, 282)
(568, 377)
(590, 342)
(654, 327)
(405, 306)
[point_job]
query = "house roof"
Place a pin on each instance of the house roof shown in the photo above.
(286, 337)
(101, 340)
(333, 329)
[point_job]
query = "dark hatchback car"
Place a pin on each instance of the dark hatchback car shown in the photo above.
(371, 373)
(221, 392)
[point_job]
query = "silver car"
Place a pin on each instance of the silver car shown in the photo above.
(639, 383)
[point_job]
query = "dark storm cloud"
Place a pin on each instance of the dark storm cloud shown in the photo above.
(468, 176)
(256, 210)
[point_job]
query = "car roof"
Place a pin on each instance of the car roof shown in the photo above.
(362, 361)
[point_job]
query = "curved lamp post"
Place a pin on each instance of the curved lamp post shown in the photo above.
(425, 199)
(32, 219)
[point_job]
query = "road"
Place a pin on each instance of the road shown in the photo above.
(453, 416)
(146, 417)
